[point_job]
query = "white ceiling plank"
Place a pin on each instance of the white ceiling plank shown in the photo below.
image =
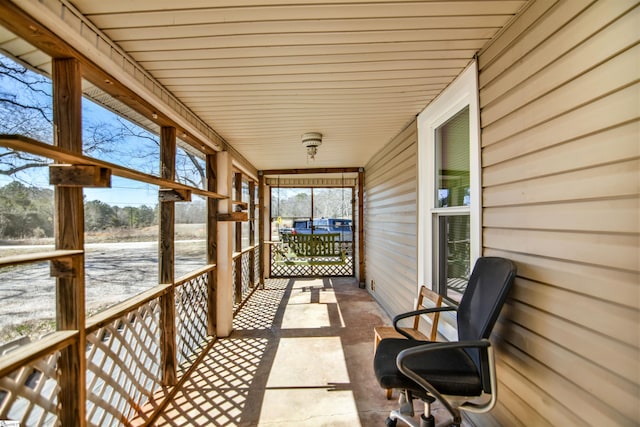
(117, 30)
(248, 52)
(306, 39)
(180, 15)
(262, 72)
(352, 58)
(119, 6)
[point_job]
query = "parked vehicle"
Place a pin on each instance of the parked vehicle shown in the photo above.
(322, 226)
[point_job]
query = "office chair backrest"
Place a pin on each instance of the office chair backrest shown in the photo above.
(486, 292)
(482, 301)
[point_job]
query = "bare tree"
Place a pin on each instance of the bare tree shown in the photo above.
(26, 109)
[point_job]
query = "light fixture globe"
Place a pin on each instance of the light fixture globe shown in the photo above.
(311, 141)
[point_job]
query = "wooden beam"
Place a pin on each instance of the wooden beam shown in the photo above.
(66, 175)
(107, 316)
(60, 154)
(62, 268)
(38, 256)
(166, 253)
(233, 217)
(69, 235)
(36, 350)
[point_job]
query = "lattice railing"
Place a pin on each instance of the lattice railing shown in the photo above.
(191, 315)
(244, 258)
(256, 265)
(29, 395)
(302, 270)
(123, 365)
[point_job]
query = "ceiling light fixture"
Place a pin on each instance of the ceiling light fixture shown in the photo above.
(311, 141)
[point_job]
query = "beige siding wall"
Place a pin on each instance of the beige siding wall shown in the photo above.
(390, 222)
(560, 102)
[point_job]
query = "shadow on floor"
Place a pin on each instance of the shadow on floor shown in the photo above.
(301, 354)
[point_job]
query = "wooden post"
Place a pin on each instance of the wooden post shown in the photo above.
(166, 249)
(237, 183)
(212, 243)
(360, 228)
(69, 234)
(252, 233)
(261, 212)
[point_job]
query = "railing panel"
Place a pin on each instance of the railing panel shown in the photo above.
(123, 365)
(29, 395)
(191, 318)
(256, 265)
(244, 258)
(345, 268)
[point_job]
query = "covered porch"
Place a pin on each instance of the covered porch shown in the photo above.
(545, 173)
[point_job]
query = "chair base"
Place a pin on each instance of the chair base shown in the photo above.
(397, 415)
(406, 413)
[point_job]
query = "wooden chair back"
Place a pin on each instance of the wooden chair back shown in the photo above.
(433, 299)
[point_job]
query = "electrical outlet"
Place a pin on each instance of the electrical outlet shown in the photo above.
(373, 285)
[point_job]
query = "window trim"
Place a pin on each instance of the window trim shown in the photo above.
(462, 92)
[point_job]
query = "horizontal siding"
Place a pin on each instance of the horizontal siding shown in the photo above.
(560, 115)
(390, 223)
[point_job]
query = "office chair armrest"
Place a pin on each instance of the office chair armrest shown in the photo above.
(417, 313)
(485, 343)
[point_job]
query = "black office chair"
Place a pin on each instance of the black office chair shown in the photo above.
(459, 374)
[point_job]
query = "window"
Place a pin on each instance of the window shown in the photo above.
(449, 195)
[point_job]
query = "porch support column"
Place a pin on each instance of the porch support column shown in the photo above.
(212, 243)
(237, 196)
(252, 233)
(261, 214)
(69, 234)
(224, 270)
(166, 251)
(360, 229)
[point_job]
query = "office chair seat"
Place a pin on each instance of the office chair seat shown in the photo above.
(451, 371)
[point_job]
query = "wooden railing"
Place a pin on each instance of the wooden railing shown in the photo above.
(122, 358)
(245, 274)
(122, 352)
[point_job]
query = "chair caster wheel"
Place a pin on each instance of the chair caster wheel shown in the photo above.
(390, 423)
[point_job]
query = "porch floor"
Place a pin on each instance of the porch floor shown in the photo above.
(301, 354)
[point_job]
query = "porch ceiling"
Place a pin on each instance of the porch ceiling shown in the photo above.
(263, 72)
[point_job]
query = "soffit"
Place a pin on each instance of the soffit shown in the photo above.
(261, 72)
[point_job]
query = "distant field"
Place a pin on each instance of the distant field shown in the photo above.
(146, 234)
(117, 267)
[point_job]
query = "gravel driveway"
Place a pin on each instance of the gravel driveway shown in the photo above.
(114, 273)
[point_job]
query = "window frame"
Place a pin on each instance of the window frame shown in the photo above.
(461, 93)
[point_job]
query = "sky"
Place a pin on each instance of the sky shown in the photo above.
(140, 153)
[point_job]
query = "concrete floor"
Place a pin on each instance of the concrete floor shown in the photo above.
(301, 354)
